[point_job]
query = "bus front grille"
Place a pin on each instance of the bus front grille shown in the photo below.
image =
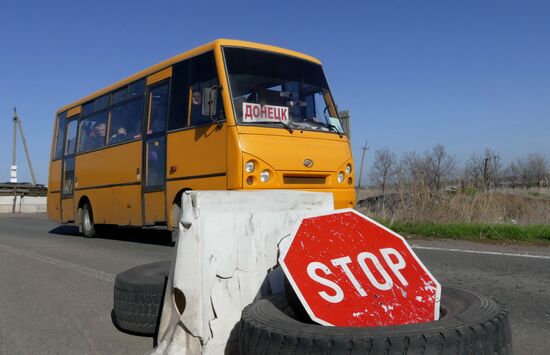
(304, 180)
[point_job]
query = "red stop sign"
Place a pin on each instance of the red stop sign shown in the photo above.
(348, 270)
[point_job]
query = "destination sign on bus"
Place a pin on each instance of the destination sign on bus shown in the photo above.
(256, 112)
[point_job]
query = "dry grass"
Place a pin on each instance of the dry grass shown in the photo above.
(492, 207)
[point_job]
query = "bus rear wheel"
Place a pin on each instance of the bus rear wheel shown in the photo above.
(87, 221)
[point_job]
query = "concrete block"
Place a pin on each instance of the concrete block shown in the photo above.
(226, 256)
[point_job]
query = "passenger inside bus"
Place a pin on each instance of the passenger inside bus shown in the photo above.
(119, 136)
(96, 137)
(196, 107)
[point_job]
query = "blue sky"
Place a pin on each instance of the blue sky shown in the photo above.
(468, 74)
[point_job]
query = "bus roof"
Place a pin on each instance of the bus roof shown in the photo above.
(185, 55)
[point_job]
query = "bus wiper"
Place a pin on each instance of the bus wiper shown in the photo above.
(335, 129)
(288, 128)
(331, 127)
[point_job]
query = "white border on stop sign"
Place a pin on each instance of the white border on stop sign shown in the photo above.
(286, 242)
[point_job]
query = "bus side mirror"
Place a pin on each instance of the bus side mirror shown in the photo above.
(209, 101)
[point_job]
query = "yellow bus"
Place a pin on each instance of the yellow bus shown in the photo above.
(228, 115)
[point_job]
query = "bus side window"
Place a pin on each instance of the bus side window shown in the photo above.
(119, 96)
(156, 144)
(60, 135)
(179, 96)
(70, 146)
(156, 151)
(195, 113)
(126, 120)
(202, 75)
(158, 99)
(136, 89)
(68, 176)
(101, 102)
(93, 132)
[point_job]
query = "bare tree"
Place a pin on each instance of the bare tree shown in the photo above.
(493, 168)
(473, 170)
(429, 170)
(513, 173)
(484, 171)
(537, 169)
(439, 166)
(522, 171)
(532, 170)
(413, 169)
(384, 168)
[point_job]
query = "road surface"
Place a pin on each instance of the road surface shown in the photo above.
(56, 287)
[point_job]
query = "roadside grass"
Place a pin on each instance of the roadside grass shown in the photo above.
(539, 234)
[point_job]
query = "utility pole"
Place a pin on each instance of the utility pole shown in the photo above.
(345, 116)
(364, 149)
(17, 123)
(13, 171)
(485, 172)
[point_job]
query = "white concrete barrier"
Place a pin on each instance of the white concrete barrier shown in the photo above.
(22, 204)
(226, 256)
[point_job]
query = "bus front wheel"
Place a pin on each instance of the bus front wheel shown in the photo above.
(87, 221)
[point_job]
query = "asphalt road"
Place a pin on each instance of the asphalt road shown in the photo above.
(520, 282)
(56, 287)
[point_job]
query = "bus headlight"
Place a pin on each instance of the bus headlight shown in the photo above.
(348, 169)
(340, 177)
(249, 166)
(264, 176)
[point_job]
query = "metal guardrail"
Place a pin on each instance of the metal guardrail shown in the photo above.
(23, 189)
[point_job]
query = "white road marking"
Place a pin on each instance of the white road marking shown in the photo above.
(547, 257)
(60, 263)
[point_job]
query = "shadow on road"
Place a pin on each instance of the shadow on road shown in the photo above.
(65, 230)
(128, 234)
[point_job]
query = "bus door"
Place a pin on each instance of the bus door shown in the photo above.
(67, 172)
(154, 149)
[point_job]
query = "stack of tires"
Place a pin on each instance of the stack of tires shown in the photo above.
(470, 323)
(138, 298)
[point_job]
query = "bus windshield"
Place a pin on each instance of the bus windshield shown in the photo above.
(280, 91)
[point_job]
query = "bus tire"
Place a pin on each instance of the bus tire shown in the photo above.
(87, 226)
(470, 324)
(138, 298)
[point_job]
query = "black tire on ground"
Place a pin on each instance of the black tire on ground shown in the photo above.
(138, 298)
(87, 221)
(470, 324)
